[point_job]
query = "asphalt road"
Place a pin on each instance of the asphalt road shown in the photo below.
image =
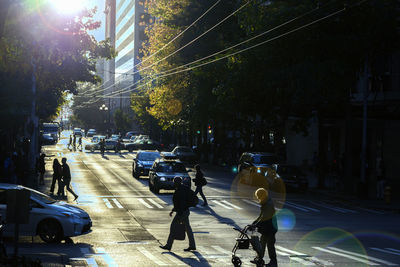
(130, 222)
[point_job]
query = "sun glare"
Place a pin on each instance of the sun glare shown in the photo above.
(69, 6)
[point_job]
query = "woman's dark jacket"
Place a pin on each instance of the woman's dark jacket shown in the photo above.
(266, 221)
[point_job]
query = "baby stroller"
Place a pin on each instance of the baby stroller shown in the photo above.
(243, 241)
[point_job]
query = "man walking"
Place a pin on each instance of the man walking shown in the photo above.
(66, 176)
(199, 182)
(182, 215)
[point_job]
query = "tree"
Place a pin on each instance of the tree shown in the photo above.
(122, 121)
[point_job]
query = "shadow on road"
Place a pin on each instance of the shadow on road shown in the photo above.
(192, 262)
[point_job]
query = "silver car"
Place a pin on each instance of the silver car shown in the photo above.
(51, 219)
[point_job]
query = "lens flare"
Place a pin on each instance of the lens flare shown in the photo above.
(286, 220)
(68, 6)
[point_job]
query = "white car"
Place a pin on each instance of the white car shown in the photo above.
(51, 219)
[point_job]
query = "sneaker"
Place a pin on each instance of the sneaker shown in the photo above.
(165, 247)
(189, 249)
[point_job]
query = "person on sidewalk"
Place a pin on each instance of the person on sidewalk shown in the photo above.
(267, 226)
(66, 176)
(57, 173)
(199, 182)
(41, 168)
(182, 215)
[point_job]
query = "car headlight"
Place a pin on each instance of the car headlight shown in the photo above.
(139, 164)
(162, 179)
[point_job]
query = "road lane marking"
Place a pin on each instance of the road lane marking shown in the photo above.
(392, 249)
(170, 256)
(222, 205)
(301, 206)
(251, 202)
(117, 203)
(151, 256)
(220, 249)
(334, 208)
(345, 256)
(209, 254)
(232, 205)
(107, 258)
(155, 203)
(304, 257)
(372, 211)
(364, 256)
(386, 251)
(293, 206)
(145, 203)
(108, 204)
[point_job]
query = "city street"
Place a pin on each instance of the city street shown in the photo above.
(130, 222)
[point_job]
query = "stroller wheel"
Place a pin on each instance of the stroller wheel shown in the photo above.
(236, 261)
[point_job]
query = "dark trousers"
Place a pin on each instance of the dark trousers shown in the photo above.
(268, 240)
(184, 217)
(199, 189)
(53, 183)
(66, 183)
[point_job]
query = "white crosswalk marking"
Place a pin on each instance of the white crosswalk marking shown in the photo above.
(117, 203)
(302, 206)
(108, 204)
(386, 251)
(232, 205)
(251, 202)
(304, 258)
(364, 256)
(345, 255)
(392, 249)
(293, 206)
(151, 256)
(107, 258)
(222, 205)
(221, 250)
(335, 208)
(155, 203)
(145, 203)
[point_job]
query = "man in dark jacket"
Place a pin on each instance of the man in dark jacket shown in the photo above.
(182, 215)
(66, 176)
(199, 182)
(267, 226)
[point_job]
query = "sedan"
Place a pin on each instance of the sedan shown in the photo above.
(143, 162)
(142, 144)
(185, 154)
(51, 219)
(293, 177)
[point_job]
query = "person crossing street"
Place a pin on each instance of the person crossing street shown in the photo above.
(199, 182)
(66, 176)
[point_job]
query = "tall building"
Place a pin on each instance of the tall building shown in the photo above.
(109, 65)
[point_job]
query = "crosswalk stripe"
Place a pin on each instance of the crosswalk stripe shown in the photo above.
(345, 255)
(301, 206)
(293, 206)
(392, 249)
(151, 256)
(232, 205)
(291, 251)
(107, 258)
(210, 254)
(372, 211)
(251, 202)
(222, 205)
(171, 257)
(108, 204)
(364, 256)
(145, 203)
(282, 253)
(386, 251)
(117, 203)
(295, 255)
(155, 203)
(220, 249)
(333, 208)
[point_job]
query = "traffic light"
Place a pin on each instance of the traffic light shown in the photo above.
(198, 131)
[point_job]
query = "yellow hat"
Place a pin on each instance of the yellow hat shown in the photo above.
(261, 194)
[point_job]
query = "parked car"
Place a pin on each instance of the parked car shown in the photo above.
(48, 139)
(109, 145)
(115, 137)
(162, 173)
(97, 138)
(51, 219)
(128, 135)
(78, 131)
(142, 145)
(143, 162)
(293, 177)
(91, 133)
(185, 154)
(257, 160)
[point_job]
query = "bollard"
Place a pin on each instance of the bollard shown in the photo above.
(387, 194)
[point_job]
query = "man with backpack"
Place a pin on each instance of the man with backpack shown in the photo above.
(182, 199)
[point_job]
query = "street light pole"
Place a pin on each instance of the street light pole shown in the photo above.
(105, 109)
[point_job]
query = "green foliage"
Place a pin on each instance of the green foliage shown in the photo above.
(123, 122)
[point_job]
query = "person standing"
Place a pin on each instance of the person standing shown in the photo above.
(70, 141)
(74, 142)
(57, 173)
(267, 226)
(41, 168)
(66, 176)
(199, 182)
(182, 215)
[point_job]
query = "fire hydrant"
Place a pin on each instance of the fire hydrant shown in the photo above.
(387, 194)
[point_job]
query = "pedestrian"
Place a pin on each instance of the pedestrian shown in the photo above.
(66, 176)
(380, 180)
(57, 174)
(80, 142)
(267, 226)
(199, 182)
(41, 167)
(181, 208)
(74, 142)
(70, 141)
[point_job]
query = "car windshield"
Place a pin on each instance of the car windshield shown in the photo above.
(184, 149)
(148, 156)
(171, 167)
(35, 195)
(264, 159)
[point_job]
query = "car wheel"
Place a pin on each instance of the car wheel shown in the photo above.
(50, 231)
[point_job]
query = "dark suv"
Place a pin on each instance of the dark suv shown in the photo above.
(259, 160)
(143, 162)
(162, 174)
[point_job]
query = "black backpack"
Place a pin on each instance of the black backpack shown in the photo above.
(191, 199)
